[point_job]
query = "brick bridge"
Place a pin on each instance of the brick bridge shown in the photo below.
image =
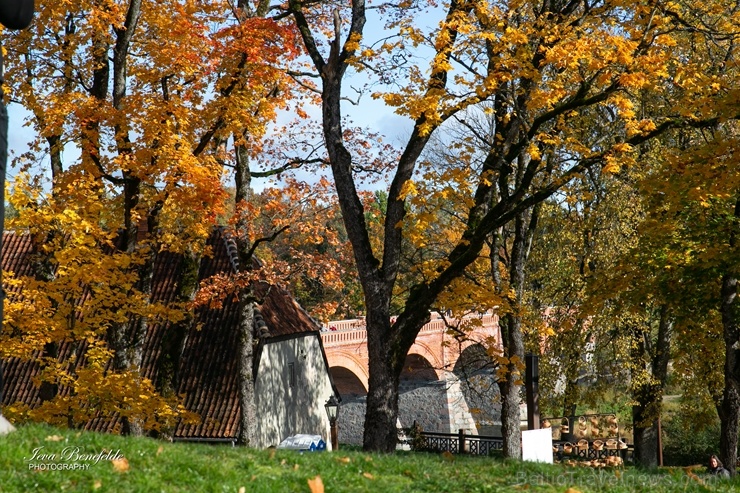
(446, 384)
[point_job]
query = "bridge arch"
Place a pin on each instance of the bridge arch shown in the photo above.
(425, 352)
(350, 378)
(473, 360)
(349, 363)
(418, 368)
(347, 383)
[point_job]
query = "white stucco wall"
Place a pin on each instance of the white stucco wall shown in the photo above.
(286, 409)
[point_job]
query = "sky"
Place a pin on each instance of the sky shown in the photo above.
(367, 112)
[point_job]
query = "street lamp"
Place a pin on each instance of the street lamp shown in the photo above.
(332, 409)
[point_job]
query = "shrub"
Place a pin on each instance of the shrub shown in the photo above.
(687, 441)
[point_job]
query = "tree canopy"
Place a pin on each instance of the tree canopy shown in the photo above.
(538, 108)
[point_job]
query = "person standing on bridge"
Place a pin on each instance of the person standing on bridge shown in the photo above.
(14, 14)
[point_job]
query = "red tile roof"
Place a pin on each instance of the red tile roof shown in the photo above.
(207, 367)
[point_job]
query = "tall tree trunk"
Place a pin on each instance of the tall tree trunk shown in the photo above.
(729, 411)
(511, 387)
(572, 391)
(126, 339)
(245, 352)
(730, 407)
(246, 344)
(513, 337)
(381, 413)
(649, 395)
(44, 272)
(645, 425)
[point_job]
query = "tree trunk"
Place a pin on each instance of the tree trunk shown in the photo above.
(245, 352)
(649, 396)
(134, 425)
(645, 426)
(730, 406)
(173, 341)
(381, 414)
(44, 272)
(512, 335)
(127, 339)
(511, 388)
(729, 425)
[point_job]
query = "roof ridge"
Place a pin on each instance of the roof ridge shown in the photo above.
(261, 329)
(231, 248)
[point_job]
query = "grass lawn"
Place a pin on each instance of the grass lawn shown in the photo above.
(81, 461)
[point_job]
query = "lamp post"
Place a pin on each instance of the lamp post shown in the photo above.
(332, 409)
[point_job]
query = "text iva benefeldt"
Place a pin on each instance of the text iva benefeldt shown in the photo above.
(70, 458)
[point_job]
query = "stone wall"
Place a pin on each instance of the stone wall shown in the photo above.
(437, 406)
(424, 402)
(351, 419)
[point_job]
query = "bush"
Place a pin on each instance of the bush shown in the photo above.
(687, 442)
(415, 437)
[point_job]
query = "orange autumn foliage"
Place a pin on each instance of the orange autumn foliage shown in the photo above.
(132, 104)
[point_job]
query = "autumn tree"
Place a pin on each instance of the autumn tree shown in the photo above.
(581, 234)
(680, 261)
(148, 96)
(547, 69)
(688, 239)
(608, 305)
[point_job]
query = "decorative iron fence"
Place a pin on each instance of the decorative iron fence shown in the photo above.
(596, 436)
(455, 443)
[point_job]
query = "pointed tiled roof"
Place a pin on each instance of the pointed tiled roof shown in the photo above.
(208, 364)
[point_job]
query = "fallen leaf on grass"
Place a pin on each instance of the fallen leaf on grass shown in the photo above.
(368, 459)
(572, 490)
(345, 460)
(695, 477)
(295, 467)
(120, 465)
(97, 484)
(447, 455)
(160, 450)
(54, 438)
(242, 490)
(316, 485)
(368, 475)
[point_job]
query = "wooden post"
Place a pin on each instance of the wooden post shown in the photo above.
(334, 435)
(461, 441)
(531, 382)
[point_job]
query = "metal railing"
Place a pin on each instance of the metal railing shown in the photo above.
(454, 443)
(597, 436)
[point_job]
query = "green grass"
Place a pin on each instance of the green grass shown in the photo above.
(155, 466)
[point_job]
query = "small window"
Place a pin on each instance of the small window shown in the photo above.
(291, 374)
